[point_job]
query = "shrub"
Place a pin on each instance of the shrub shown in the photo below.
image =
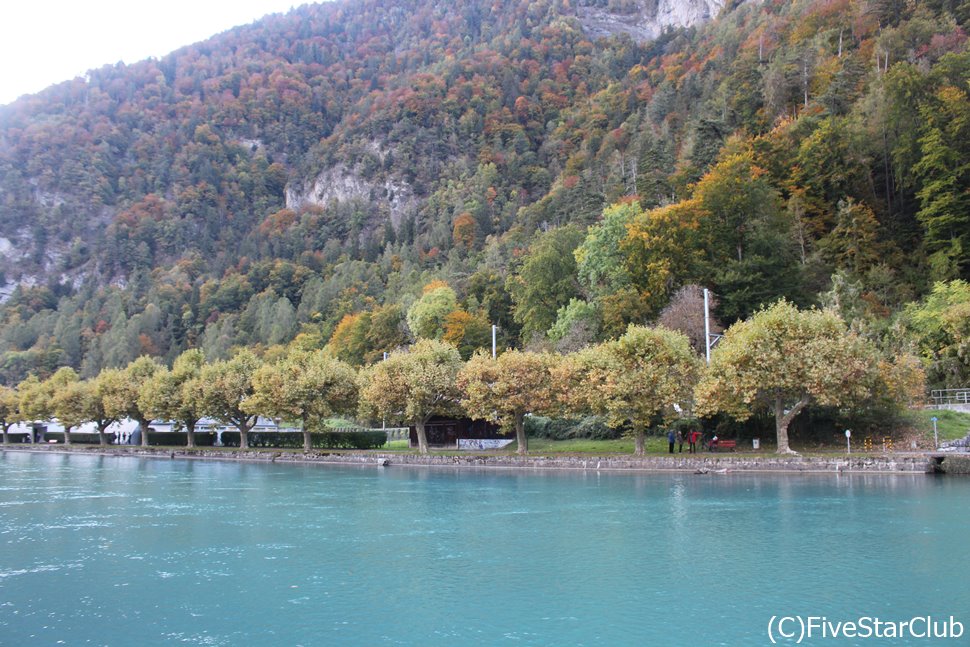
(179, 439)
(318, 439)
(167, 438)
(205, 439)
(230, 438)
(591, 427)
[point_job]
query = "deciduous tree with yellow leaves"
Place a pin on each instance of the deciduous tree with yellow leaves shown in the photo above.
(308, 387)
(413, 385)
(632, 381)
(784, 359)
(503, 390)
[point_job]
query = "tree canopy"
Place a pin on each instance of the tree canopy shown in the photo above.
(634, 381)
(309, 387)
(504, 389)
(176, 394)
(784, 358)
(413, 385)
(941, 327)
(226, 387)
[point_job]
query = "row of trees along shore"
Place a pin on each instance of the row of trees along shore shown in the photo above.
(781, 358)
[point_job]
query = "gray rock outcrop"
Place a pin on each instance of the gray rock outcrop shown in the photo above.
(644, 20)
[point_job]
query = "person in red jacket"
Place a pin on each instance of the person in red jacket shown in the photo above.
(692, 442)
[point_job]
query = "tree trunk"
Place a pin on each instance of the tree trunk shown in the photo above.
(638, 442)
(422, 437)
(805, 80)
(102, 437)
(243, 436)
(6, 434)
(782, 420)
(143, 425)
(67, 435)
(520, 438)
(189, 433)
(307, 440)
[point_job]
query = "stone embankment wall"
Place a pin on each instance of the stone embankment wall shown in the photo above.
(960, 444)
(716, 463)
(956, 464)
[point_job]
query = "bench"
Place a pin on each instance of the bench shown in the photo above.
(724, 445)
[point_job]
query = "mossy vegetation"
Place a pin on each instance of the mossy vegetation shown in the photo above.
(950, 425)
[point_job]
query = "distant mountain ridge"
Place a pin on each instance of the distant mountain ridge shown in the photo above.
(333, 161)
(644, 20)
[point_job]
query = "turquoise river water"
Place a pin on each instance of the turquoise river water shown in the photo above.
(125, 551)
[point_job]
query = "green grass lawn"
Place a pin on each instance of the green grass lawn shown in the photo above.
(654, 445)
(950, 424)
(586, 446)
(548, 446)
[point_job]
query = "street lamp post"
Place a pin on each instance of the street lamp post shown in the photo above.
(707, 328)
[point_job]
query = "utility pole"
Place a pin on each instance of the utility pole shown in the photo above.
(707, 327)
(709, 339)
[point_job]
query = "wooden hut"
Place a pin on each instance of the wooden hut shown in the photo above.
(446, 432)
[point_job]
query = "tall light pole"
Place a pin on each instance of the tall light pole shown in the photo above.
(494, 328)
(707, 327)
(384, 420)
(709, 339)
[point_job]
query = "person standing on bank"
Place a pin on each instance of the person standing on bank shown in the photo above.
(692, 445)
(680, 441)
(670, 440)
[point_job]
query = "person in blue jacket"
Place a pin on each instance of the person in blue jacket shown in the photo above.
(670, 439)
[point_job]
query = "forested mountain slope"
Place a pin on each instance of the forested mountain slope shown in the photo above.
(370, 171)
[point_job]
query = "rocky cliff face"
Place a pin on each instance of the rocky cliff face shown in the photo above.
(643, 20)
(340, 184)
(343, 184)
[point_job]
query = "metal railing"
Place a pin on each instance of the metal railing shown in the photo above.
(943, 397)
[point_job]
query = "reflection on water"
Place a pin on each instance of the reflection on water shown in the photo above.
(115, 550)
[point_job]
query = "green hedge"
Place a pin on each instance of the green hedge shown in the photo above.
(591, 427)
(318, 439)
(180, 439)
(77, 438)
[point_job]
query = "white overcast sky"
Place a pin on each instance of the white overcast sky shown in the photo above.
(43, 42)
